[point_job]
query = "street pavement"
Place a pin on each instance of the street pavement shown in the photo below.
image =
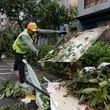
(6, 71)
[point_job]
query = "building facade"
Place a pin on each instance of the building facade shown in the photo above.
(68, 3)
(73, 2)
(94, 13)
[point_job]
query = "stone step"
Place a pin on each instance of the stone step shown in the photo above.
(6, 68)
(8, 76)
(4, 71)
(3, 66)
(7, 101)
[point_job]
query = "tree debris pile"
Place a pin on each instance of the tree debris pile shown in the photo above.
(92, 88)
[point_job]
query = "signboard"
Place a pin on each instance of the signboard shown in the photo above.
(72, 50)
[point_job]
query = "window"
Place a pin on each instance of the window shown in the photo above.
(89, 3)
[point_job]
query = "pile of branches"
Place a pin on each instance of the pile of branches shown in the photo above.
(92, 88)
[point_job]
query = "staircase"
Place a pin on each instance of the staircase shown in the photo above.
(6, 71)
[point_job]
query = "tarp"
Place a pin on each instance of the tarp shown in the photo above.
(72, 50)
(32, 77)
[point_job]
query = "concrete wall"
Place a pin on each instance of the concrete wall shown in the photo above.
(98, 15)
(95, 8)
(106, 35)
(73, 2)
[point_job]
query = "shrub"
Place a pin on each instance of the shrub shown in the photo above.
(7, 37)
(60, 70)
(43, 50)
(99, 52)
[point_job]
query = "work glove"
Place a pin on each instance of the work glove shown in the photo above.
(62, 32)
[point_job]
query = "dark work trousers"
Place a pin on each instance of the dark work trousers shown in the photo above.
(20, 66)
(0, 54)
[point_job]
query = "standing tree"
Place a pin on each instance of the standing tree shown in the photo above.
(53, 15)
(48, 12)
(14, 9)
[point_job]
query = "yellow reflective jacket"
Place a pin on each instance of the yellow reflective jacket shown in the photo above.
(19, 46)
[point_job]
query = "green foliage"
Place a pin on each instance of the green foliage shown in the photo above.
(8, 89)
(17, 106)
(97, 96)
(60, 70)
(53, 15)
(48, 12)
(94, 88)
(5, 108)
(13, 7)
(43, 50)
(7, 37)
(45, 101)
(99, 52)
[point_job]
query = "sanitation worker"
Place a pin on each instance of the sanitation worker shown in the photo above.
(21, 45)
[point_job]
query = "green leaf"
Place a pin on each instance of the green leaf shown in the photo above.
(102, 84)
(2, 96)
(93, 102)
(106, 106)
(108, 97)
(89, 90)
(82, 99)
(93, 80)
(8, 93)
(108, 79)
